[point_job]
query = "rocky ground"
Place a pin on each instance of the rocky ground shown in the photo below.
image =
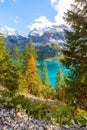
(11, 119)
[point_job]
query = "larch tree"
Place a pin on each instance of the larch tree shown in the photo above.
(32, 72)
(33, 79)
(76, 52)
(29, 51)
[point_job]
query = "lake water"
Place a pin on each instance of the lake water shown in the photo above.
(53, 69)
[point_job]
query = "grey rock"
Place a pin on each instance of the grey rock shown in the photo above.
(16, 126)
(10, 119)
(41, 128)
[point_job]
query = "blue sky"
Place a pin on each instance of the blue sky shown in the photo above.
(24, 15)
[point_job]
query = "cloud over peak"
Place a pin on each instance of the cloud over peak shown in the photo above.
(40, 23)
(60, 6)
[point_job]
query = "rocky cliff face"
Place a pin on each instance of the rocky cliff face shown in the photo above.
(48, 35)
(53, 34)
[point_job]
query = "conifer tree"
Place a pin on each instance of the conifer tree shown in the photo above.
(45, 75)
(76, 53)
(32, 51)
(4, 59)
(48, 88)
(33, 80)
(7, 74)
(16, 59)
(29, 51)
(59, 88)
(26, 53)
(22, 86)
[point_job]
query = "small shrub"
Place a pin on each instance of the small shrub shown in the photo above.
(63, 114)
(82, 117)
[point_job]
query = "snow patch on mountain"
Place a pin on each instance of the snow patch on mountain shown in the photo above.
(51, 34)
(53, 28)
(8, 31)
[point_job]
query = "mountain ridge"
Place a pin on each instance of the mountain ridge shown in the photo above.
(48, 35)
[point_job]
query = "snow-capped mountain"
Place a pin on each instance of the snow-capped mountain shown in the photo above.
(12, 37)
(46, 35)
(7, 31)
(53, 34)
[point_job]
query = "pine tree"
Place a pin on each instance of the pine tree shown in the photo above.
(29, 51)
(26, 53)
(4, 60)
(48, 92)
(59, 87)
(76, 53)
(45, 75)
(32, 51)
(22, 86)
(16, 59)
(7, 75)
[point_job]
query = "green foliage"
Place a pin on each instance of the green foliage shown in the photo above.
(33, 80)
(81, 117)
(59, 91)
(45, 74)
(29, 52)
(32, 77)
(19, 108)
(4, 60)
(7, 74)
(46, 51)
(16, 60)
(43, 111)
(32, 51)
(38, 110)
(63, 114)
(22, 84)
(76, 52)
(48, 92)
(26, 53)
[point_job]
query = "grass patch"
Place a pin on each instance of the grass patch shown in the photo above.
(39, 110)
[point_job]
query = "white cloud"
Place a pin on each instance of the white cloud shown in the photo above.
(60, 6)
(16, 19)
(7, 30)
(40, 23)
(2, 1)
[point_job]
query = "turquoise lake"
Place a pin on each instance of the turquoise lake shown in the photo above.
(53, 69)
